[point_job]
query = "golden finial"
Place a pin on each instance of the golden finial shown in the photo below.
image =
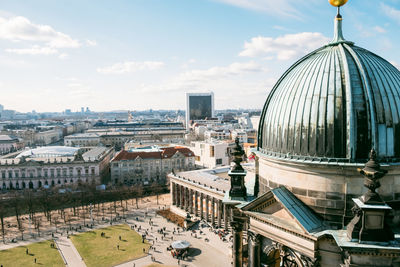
(338, 3)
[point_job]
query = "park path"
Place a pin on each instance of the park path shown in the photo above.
(69, 252)
(215, 253)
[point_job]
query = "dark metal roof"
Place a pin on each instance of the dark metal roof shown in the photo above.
(337, 102)
(303, 214)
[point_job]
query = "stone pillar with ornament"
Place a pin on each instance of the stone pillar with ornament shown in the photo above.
(237, 174)
(369, 223)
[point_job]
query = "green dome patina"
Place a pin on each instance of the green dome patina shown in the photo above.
(334, 104)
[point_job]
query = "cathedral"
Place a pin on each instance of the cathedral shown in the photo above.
(327, 188)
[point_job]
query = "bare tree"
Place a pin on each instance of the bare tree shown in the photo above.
(3, 213)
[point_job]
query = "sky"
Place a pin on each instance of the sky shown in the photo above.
(142, 54)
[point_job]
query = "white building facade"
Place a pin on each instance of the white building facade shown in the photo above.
(148, 167)
(62, 170)
(211, 154)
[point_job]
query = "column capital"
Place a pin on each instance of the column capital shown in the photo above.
(237, 225)
(254, 237)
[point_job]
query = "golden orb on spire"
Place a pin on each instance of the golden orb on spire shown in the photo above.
(338, 3)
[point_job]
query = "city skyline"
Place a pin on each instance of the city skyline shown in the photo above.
(131, 55)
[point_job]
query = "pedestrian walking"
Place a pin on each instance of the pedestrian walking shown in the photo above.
(35, 260)
(27, 252)
(118, 247)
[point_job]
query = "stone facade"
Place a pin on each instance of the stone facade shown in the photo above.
(59, 171)
(327, 188)
(148, 167)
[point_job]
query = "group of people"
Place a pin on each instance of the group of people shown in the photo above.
(179, 254)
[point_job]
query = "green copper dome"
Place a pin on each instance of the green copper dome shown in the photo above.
(334, 104)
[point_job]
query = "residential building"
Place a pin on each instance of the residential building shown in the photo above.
(150, 164)
(55, 166)
(211, 154)
(82, 139)
(240, 134)
(219, 134)
(9, 143)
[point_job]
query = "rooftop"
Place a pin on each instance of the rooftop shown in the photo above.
(164, 152)
(49, 152)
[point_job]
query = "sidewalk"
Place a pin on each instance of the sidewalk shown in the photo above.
(69, 252)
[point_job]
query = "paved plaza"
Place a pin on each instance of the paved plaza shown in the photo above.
(213, 252)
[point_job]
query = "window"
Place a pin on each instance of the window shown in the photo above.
(218, 161)
(211, 151)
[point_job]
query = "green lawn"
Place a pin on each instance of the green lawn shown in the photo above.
(100, 251)
(44, 254)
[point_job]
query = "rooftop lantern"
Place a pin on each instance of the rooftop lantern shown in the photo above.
(237, 173)
(368, 223)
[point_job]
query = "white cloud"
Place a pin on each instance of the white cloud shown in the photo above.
(35, 50)
(21, 29)
(279, 8)
(379, 29)
(130, 66)
(391, 12)
(91, 43)
(225, 78)
(63, 56)
(233, 69)
(285, 47)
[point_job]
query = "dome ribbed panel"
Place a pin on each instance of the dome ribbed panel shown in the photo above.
(384, 80)
(331, 94)
(309, 116)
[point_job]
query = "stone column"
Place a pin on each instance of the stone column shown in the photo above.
(186, 203)
(196, 203)
(219, 207)
(207, 209)
(213, 211)
(201, 206)
(178, 195)
(173, 193)
(182, 194)
(254, 248)
(237, 248)
(225, 217)
(191, 201)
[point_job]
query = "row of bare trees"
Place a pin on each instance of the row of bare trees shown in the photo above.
(52, 205)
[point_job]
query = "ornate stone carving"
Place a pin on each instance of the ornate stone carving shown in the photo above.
(237, 173)
(281, 255)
